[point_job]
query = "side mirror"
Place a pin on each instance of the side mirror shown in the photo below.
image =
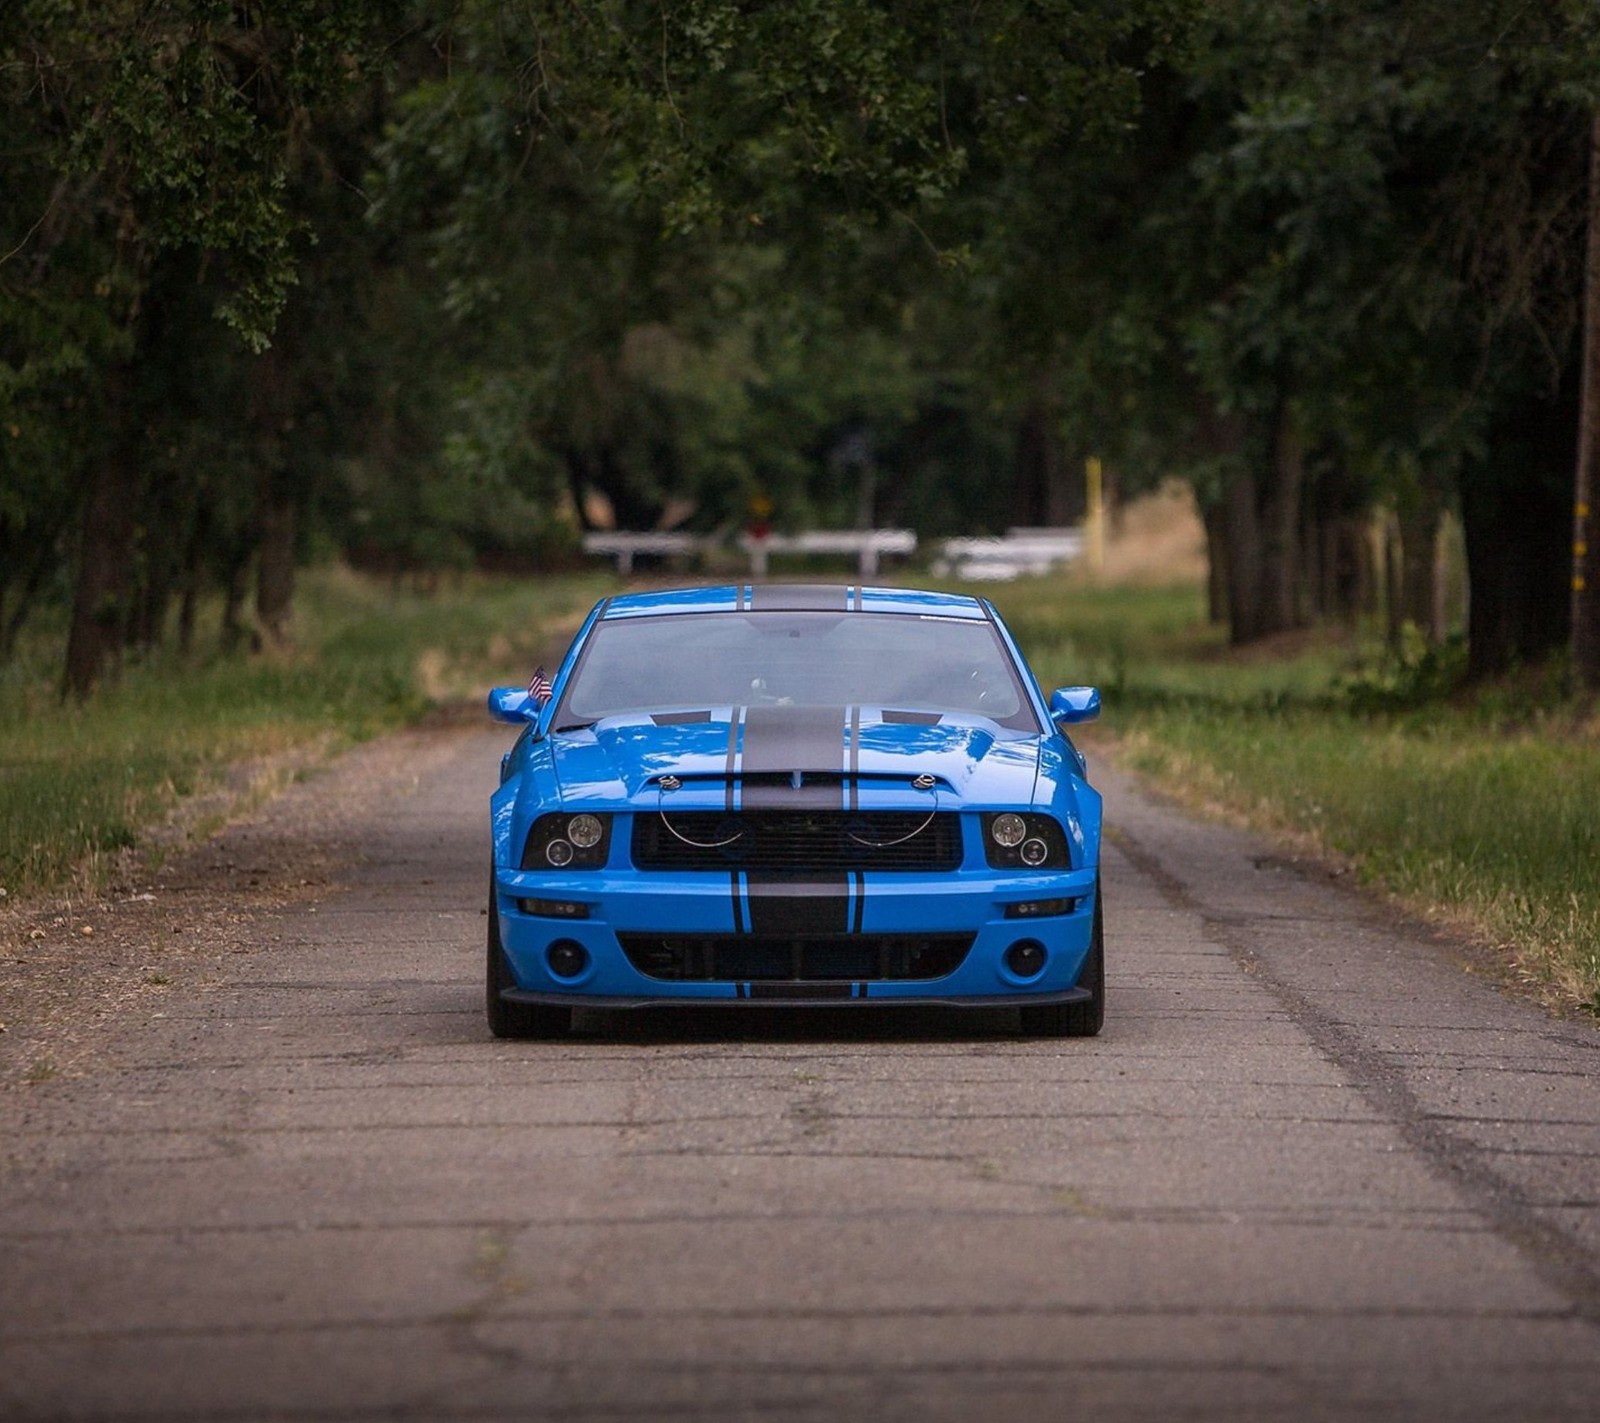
(513, 704)
(1072, 706)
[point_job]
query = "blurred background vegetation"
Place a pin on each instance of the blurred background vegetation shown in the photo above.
(437, 286)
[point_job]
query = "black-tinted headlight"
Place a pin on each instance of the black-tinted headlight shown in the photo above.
(568, 842)
(1025, 841)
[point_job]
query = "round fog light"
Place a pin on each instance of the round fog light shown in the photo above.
(566, 958)
(1025, 958)
(559, 853)
(1034, 852)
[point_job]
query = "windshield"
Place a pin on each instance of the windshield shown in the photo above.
(704, 660)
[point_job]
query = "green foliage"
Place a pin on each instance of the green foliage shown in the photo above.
(77, 783)
(1414, 674)
(675, 258)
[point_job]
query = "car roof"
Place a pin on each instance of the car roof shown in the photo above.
(793, 597)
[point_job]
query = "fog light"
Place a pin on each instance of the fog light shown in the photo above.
(1040, 908)
(554, 908)
(566, 959)
(1034, 852)
(1025, 958)
(559, 853)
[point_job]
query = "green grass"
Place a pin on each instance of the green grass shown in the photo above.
(1479, 809)
(79, 783)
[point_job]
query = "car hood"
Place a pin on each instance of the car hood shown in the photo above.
(619, 762)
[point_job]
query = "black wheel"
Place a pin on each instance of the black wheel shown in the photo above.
(515, 1020)
(1076, 1020)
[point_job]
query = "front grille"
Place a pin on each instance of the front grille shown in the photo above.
(797, 840)
(819, 958)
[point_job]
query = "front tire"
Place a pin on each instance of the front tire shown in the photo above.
(1076, 1020)
(515, 1020)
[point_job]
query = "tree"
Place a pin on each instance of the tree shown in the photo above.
(176, 126)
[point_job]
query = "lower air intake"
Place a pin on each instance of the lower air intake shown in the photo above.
(772, 958)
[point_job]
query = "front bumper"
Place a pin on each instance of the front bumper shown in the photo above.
(846, 909)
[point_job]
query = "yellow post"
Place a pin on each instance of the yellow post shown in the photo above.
(1094, 524)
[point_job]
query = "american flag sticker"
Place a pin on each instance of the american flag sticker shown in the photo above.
(539, 685)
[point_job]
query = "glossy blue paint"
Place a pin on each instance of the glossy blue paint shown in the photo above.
(616, 766)
(1074, 705)
(512, 704)
(735, 596)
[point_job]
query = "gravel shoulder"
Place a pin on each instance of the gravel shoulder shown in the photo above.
(79, 972)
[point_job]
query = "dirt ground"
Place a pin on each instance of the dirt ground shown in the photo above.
(73, 966)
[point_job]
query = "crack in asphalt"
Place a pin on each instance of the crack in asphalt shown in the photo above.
(1561, 1260)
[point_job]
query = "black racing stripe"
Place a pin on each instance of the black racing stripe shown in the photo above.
(912, 718)
(779, 906)
(799, 598)
(792, 739)
(816, 792)
(679, 718)
(738, 905)
(861, 901)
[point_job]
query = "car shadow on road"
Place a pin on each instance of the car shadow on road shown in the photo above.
(794, 1025)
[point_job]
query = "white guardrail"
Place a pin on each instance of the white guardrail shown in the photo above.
(623, 547)
(867, 545)
(1021, 551)
(1018, 552)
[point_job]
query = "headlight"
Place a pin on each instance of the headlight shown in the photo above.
(568, 842)
(1009, 830)
(1032, 842)
(585, 831)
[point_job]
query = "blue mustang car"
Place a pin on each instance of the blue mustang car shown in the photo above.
(794, 795)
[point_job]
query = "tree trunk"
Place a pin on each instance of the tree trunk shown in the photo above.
(1241, 525)
(275, 570)
(1332, 505)
(1039, 492)
(1259, 521)
(1212, 516)
(235, 588)
(100, 602)
(1393, 601)
(40, 562)
(271, 419)
(1513, 507)
(1220, 442)
(1339, 567)
(1419, 565)
(192, 579)
(1280, 527)
(1585, 523)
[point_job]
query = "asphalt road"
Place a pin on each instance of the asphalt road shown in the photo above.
(1313, 1169)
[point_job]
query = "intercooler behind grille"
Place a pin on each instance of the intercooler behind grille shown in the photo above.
(814, 840)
